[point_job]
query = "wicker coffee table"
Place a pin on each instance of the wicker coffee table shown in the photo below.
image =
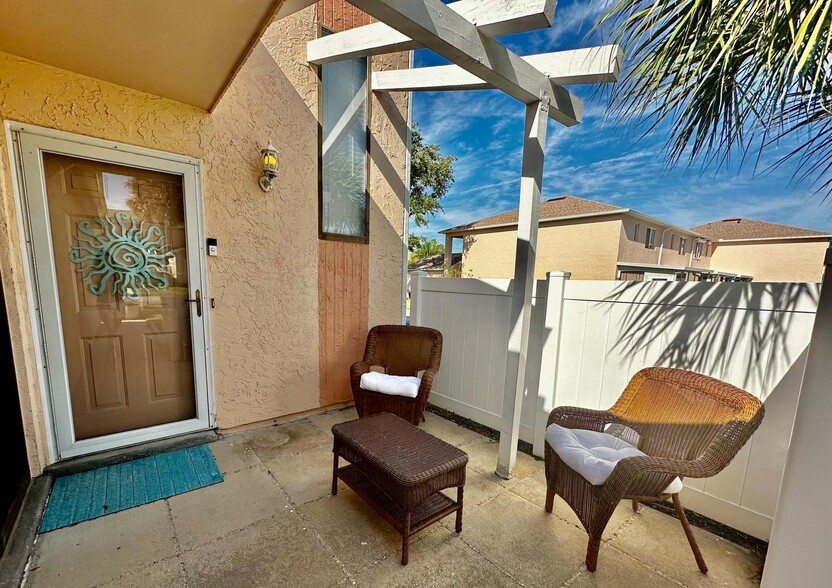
(399, 470)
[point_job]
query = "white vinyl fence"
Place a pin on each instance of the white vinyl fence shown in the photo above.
(589, 337)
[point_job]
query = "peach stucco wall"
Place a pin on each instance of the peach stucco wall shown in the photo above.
(587, 248)
(265, 281)
(772, 261)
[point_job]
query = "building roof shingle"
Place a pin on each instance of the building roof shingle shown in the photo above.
(553, 208)
(434, 262)
(731, 229)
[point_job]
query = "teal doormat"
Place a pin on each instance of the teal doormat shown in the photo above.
(92, 494)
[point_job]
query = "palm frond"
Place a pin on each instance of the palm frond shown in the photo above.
(729, 77)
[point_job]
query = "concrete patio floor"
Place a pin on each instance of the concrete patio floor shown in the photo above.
(272, 522)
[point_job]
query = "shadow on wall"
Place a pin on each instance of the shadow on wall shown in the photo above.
(468, 241)
(710, 326)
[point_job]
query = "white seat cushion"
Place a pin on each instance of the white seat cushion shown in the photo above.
(593, 454)
(393, 385)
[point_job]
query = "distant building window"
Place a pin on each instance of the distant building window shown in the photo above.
(672, 241)
(344, 99)
(683, 243)
(697, 250)
(635, 232)
(650, 238)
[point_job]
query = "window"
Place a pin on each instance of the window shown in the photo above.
(343, 144)
(672, 241)
(650, 238)
(697, 250)
(635, 232)
(683, 243)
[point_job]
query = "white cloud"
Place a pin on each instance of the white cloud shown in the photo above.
(598, 159)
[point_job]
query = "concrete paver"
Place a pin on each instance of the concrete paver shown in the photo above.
(273, 522)
(102, 549)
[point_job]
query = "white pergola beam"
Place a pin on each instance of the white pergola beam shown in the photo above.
(435, 26)
(594, 65)
(493, 17)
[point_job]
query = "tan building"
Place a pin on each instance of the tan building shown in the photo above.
(769, 252)
(123, 151)
(592, 240)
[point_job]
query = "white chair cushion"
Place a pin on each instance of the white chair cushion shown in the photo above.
(393, 385)
(593, 454)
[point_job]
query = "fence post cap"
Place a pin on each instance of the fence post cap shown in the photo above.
(559, 274)
(419, 273)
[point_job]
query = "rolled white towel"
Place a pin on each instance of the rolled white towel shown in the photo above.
(392, 385)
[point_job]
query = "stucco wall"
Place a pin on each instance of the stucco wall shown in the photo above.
(632, 249)
(587, 248)
(265, 282)
(772, 261)
(265, 324)
(388, 166)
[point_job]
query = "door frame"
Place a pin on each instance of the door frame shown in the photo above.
(27, 142)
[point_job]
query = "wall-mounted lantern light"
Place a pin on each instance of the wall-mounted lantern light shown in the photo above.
(270, 165)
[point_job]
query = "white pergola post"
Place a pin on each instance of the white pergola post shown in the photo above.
(534, 145)
(462, 33)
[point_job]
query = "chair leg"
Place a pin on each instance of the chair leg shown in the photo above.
(406, 538)
(700, 561)
(635, 505)
(459, 492)
(550, 498)
(592, 554)
(334, 474)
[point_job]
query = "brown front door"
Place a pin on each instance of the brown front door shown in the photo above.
(119, 243)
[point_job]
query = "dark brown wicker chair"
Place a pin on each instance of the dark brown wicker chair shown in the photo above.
(401, 351)
(687, 424)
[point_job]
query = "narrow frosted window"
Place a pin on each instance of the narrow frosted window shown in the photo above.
(344, 149)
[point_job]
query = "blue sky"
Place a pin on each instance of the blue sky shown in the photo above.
(597, 159)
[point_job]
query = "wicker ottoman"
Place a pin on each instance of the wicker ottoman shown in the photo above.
(399, 470)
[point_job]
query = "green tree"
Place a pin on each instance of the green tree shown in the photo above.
(431, 175)
(413, 242)
(426, 248)
(730, 77)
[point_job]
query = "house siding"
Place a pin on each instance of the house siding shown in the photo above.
(265, 326)
(588, 248)
(632, 250)
(772, 261)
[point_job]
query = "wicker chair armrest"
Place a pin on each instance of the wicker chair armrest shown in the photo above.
(427, 381)
(573, 417)
(356, 371)
(688, 468)
(649, 476)
(424, 389)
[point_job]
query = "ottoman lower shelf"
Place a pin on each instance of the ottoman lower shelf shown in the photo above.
(400, 471)
(425, 514)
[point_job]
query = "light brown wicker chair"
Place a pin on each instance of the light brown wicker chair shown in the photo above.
(401, 351)
(687, 424)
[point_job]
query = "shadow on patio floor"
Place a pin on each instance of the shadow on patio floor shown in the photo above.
(273, 523)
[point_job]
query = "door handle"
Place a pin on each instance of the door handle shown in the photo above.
(198, 300)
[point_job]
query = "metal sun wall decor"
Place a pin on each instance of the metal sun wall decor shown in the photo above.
(132, 254)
